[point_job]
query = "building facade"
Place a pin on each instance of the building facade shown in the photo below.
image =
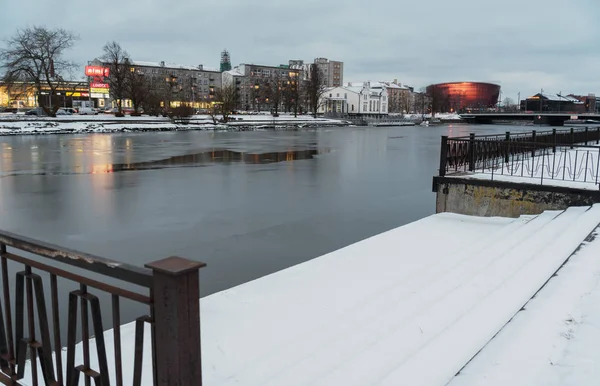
(24, 95)
(400, 98)
(261, 86)
(547, 102)
(174, 84)
(369, 99)
(461, 96)
(333, 71)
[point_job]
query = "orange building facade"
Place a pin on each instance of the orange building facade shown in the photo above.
(463, 96)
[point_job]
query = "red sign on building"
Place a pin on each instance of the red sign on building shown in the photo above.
(97, 71)
(99, 85)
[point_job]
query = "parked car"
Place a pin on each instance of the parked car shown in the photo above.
(70, 110)
(38, 111)
(87, 111)
(63, 112)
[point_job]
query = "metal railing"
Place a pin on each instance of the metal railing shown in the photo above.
(30, 335)
(469, 153)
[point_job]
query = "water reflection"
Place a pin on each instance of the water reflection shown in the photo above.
(100, 160)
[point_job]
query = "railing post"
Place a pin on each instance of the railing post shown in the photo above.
(597, 135)
(553, 140)
(471, 152)
(572, 137)
(533, 140)
(507, 147)
(586, 135)
(176, 328)
(443, 155)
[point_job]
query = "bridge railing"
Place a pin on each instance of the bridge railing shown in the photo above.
(468, 153)
(39, 279)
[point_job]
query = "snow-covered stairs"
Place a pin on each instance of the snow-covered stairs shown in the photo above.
(407, 307)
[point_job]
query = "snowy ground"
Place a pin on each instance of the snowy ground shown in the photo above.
(577, 168)
(410, 306)
(21, 124)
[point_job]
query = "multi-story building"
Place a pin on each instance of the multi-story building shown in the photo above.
(400, 98)
(173, 83)
(333, 71)
(261, 85)
(364, 99)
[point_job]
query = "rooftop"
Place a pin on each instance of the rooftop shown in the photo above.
(172, 66)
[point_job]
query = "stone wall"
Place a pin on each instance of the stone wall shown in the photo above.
(507, 199)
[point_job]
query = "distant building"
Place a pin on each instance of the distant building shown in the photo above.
(225, 61)
(547, 102)
(369, 99)
(24, 95)
(174, 83)
(459, 96)
(400, 98)
(332, 71)
(256, 84)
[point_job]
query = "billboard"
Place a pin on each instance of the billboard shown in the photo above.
(97, 71)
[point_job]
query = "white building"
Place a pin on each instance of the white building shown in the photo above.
(365, 99)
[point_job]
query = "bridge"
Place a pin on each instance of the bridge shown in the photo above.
(552, 119)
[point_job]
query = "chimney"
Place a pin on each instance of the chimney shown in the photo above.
(162, 63)
(200, 67)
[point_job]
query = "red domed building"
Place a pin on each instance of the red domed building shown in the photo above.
(461, 96)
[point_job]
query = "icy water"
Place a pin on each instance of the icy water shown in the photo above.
(246, 203)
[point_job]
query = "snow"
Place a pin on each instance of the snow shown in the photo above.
(409, 306)
(574, 168)
(103, 123)
(554, 341)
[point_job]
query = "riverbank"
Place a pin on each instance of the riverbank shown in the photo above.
(11, 124)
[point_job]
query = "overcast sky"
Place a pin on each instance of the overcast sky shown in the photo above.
(522, 45)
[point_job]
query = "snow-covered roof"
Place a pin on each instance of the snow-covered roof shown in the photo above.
(234, 72)
(172, 65)
(559, 98)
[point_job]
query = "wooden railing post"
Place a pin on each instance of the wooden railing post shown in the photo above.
(553, 140)
(176, 328)
(443, 155)
(507, 147)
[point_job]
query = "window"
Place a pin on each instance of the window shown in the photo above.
(330, 95)
(365, 106)
(346, 96)
(338, 95)
(365, 97)
(383, 99)
(352, 107)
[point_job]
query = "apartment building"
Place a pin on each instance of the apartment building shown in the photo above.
(257, 85)
(333, 71)
(173, 83)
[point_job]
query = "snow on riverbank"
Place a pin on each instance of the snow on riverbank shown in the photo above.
(394, 309)
(22, 125)
(554, 340)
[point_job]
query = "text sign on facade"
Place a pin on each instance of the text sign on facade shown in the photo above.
(98, 90)
(99, 85)
(97, 71)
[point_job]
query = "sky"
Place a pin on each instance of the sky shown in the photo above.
(525, 46)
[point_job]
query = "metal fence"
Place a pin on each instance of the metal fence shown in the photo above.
(30, 336)
(473, 152)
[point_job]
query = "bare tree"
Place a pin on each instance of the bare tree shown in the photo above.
(136, 88)
(274, 91)
(405, 101)
(226, 100)
(117, 60)
(509, 105)
(291, 93)
(35, 55)
(315, 88)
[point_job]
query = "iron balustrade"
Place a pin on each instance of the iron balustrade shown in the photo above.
(169, 288)
(469, 153)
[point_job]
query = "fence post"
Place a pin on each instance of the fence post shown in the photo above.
(176, 315)
(443, 155)
(572, 137)
(507, 145)
(533, 139)
(597, 135)
(553, 140)
(586, 135)
(471, 152)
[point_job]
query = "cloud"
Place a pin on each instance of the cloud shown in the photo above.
(525, 46)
